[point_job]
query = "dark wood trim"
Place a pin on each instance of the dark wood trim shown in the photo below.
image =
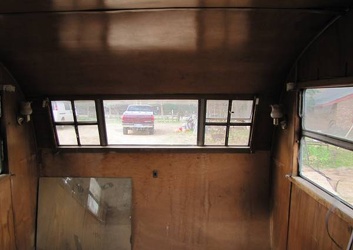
(334, 82)
(154, 97)
(152, 149)
(336, 11)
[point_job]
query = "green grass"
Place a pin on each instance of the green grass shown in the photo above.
(323, 156)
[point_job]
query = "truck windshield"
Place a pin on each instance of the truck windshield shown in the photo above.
(140, 108)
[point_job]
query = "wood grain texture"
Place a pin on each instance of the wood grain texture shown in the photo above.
(282, 165)
(199, 201)
(22, 164)
(308, 229)
(7, 234)
(331, 55)
(179, 51)
(14, 6)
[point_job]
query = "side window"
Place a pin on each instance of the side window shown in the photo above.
(326, 153)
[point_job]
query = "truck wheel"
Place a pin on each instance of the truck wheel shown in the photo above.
(151, 131)
(125, 131)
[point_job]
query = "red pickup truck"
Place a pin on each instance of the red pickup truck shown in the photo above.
(138, 118)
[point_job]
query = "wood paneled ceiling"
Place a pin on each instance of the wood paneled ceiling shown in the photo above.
(70, 47)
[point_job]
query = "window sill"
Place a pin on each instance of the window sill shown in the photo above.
(154, 148)
(325, 199)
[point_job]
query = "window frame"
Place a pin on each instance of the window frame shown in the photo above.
(321, 137)
(201, 123)
(75, 123)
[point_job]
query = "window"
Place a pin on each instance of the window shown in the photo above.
(75, 122)
(228, 122)
(326, 153)
(158, 122)
(151, 122)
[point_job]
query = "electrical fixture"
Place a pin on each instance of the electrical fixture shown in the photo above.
(278, 116)
(25, 112)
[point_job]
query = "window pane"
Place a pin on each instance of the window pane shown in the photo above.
(239, 136)
(217, 110)
(328, 166)
(215, 135)
(89, 135)
(62, 111)
(66, 135)
(85, 111)
(241, 111)
(329, 111)
(151, 122)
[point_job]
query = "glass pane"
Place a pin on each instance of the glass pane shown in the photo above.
(70, 217)
(151, 122)
(66, 135)
(217, 110)
(89, 135)
(215, 135)
(329, 111)
(239, 136)
(241, 111)
(85, 111)
(62, 111)
(328, 166)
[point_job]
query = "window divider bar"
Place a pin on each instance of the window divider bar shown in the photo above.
(201, 123)
(329, 139)
(75, 122)
(228, 121)
(53, 124)
(228, 124)
(254, 109)
(101, 122)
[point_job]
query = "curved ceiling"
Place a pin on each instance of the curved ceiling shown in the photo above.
(156, 47)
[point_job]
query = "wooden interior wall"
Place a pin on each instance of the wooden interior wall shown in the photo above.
(199, 201)
(22, 166)
(7, 234)
(308, 226)
(282, 165)
(331, 56)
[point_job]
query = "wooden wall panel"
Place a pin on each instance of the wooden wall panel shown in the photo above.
(308, 228)
(22, 164)
(282, 165)
(331, 55)
(7, 235)
(199, 201)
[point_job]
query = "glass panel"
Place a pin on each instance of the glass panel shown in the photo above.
(239, 136)
(217, 110)
(85, 111)
(241, 111)
(89, 135)
(151, 122)
(62, 111)
(329, 111)
(328, 166)
(70, 217)
(215, 135)
(66, 135)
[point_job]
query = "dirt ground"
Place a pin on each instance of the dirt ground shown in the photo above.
(164, 134)
(338, 181)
